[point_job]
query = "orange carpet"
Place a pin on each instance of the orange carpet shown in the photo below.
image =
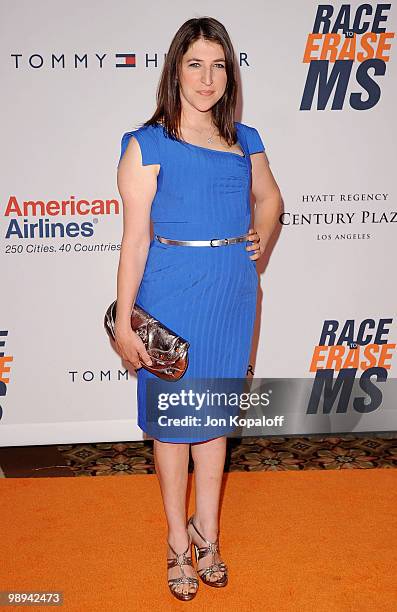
(320, 541)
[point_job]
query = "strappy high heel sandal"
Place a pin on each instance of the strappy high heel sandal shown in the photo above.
(203, 551)
(182, 559)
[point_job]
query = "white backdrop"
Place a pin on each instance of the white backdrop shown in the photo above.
(62, 123)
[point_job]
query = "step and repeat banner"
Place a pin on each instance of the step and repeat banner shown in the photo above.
(318, 81)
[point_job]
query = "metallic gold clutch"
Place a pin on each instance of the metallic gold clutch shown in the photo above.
(167, 350)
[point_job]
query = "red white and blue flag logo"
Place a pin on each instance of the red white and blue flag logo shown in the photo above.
(126, 60)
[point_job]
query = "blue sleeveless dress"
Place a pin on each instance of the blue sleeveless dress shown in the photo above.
(205, 294)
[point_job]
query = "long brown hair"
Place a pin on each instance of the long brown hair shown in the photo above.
(168, 110)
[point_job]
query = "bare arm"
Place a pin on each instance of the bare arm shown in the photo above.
(268, 202)
(137, 185)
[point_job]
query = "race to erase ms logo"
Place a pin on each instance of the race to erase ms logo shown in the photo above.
(31, 219)
(345, 350)
(347, 51)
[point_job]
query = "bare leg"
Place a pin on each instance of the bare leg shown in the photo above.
(171, 463)
(209, 462)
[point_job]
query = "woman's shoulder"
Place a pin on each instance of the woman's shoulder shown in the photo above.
(148, 139)
(244, 127)
(252, 137)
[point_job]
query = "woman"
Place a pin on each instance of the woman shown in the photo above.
(189, 169)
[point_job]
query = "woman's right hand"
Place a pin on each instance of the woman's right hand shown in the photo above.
(131, 348)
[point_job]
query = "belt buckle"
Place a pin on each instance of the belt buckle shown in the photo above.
(217, 245)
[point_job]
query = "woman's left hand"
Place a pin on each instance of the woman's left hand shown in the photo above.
(256, 247)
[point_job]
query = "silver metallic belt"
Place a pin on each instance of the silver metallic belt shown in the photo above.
(218, 241)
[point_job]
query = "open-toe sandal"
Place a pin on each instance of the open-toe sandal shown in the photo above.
(182, 559)
(202, 551)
